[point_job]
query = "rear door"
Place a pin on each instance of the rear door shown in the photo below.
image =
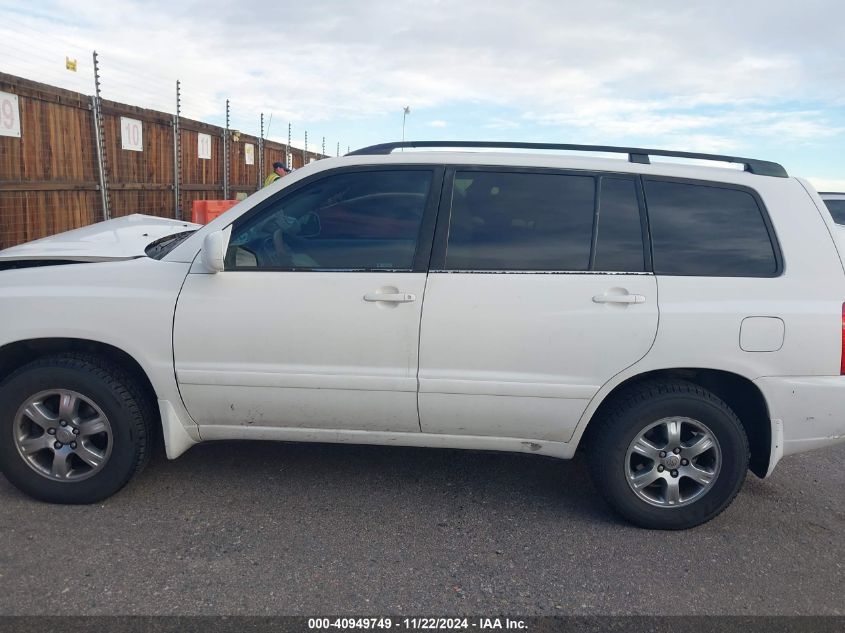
(539, 293)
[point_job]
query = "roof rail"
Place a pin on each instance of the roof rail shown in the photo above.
(635, 154)
(832, 193)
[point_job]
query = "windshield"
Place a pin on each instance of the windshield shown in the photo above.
(162, 246)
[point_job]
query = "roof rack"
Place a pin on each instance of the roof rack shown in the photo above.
(635, 154)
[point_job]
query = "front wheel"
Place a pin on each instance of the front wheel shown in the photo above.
(669, 455)
(73, 428)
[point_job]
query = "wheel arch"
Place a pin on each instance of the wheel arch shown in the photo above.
(738, 392)
(172, 420)
(19, 353)
(15, 355)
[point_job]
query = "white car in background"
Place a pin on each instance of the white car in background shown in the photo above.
(682, 324)
(836, 205)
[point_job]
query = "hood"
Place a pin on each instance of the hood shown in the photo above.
(120, 238)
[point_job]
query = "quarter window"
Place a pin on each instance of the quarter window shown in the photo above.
(367, 220)
(704, 230)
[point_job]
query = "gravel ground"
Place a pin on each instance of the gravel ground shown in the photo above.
(262, 528)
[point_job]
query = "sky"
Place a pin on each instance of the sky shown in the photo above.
(747, 77)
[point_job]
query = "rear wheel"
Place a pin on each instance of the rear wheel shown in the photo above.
(74, 428)
(669, 455)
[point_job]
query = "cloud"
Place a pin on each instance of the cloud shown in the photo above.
(702, 74)
(500, 123)
(827, 184)
(437, 123)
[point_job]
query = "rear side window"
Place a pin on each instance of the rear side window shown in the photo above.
(701, 230)
(837, 210)
(520, 221)
(543, 222)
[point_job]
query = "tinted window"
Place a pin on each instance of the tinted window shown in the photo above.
(619, 241)
(359, 220)
(837, 210)
(702, 230)
(518, 221)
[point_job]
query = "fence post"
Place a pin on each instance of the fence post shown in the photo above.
(260, 169)
(177, 156)
(226, 155)
(102, 168)
(288, 154)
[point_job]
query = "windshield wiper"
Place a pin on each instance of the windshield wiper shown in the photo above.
(162, 246)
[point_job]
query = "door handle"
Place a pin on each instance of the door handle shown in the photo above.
(390, 297)
(619, 299)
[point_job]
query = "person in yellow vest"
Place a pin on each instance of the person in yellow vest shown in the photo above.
(279, 170)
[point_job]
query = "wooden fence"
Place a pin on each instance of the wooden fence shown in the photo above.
(50, 178)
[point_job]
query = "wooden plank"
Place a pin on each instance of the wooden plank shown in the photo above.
(49, 186)
(43, 92)
(201, 187)
(140, 186)
(134, 112)
(192, 125)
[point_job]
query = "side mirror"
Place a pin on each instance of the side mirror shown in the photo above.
(214, 250)
(310, 225)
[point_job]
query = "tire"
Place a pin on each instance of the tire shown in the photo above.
(679, 490)
(105, 440)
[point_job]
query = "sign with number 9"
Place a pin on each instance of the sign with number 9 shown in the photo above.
(10, 117)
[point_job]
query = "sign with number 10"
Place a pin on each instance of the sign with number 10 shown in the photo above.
(10, 116)
(131, 134)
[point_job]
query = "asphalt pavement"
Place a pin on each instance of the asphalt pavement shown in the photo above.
(305, 529)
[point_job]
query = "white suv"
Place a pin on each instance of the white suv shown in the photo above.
(683, 324)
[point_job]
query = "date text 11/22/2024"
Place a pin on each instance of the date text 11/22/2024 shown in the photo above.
(416, 623)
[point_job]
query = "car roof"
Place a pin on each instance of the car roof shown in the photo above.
(689, 169)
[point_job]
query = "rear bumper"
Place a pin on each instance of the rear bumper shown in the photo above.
(807, 412)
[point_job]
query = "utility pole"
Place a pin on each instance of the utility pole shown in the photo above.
(405, 112)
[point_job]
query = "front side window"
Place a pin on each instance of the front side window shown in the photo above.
(837, 210)
(368, 220)
(702, 230)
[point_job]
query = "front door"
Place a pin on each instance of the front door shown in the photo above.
(315, 321)
(539, 293)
